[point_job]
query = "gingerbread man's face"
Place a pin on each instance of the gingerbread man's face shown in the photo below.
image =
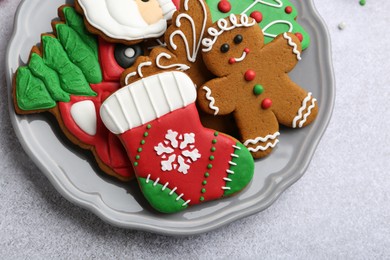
(233, 43)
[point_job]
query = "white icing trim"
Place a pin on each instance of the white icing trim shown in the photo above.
(279, 4)
(243, 56)
(141, 65)
(276, 22)
(196, 42)
(211, 100)
(263, 140)
(179, 66)
(146, 100)
(292, 44)
(223, 26)
(300, 115)
(226, 188)
(84, 115)
(120, 19)
(128, 76)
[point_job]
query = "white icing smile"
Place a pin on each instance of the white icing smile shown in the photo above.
(243, 56)
(124, 20)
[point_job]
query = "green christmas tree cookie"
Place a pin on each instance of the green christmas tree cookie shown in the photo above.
(273, 16)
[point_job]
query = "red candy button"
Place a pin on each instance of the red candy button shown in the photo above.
(266, 103)
(257, 16)
(250, 75)
(224, 6)
(288, 9)
(299, 36)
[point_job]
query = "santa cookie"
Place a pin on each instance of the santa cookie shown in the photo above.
(252, 82)
(177, 162)
(126, 21)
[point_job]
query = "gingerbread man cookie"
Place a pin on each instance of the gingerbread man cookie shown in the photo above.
(252, 82)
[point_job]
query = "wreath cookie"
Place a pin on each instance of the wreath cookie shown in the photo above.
(252, 82)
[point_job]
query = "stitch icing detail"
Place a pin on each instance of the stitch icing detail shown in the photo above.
(211, 100)
(292, 44)
(300, 115)
(224, 26)
(141, 65)
(263, 148)
(261, 139)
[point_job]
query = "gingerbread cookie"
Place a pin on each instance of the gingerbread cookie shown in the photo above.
(177, 162)
(273, 16)
(126, 21)
(64, 77)
(252, 82)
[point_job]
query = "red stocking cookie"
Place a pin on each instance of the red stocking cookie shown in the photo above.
(177, 162)
(252, 82)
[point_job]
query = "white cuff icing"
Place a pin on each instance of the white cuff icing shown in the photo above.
(146, 100)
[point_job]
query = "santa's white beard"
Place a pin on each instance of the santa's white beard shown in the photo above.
(121, 19)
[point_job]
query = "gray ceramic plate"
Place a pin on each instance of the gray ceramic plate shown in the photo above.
(75, 176)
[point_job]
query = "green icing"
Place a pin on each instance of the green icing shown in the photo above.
(31, 93)
(79, 53)
(160, 199)
(49, 78)
(270, 12)
(76, 22)
(71, 77)
(243, 171)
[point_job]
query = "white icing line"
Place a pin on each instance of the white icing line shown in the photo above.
(226, 188)
(165, 186)
(263, 148)
(236, 147)
(279, 4)
(156, 182)
(230, 171)
(165, 92)
(141, 65)
(173, 190)
(232, 163)
(128, 76)
(294, 45)
(185, 203)
(179, 66)
(144, 82)
(181, 195)
(276, 22)
(136, 105)
(308, 112)
(234, 155)
(148, 178)
(224, 26)
(211, 100)
(227, 179)
(301, 109)
(261, 139)
(243, 56)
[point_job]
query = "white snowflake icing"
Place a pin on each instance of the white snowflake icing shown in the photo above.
(185, 154)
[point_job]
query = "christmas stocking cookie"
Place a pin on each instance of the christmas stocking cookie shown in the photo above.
(177, 162)
(252, 82)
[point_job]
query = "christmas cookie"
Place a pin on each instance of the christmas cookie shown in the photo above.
(177, 162)
(64, 77)
(252, 82)
(273, 16)
(126, 21)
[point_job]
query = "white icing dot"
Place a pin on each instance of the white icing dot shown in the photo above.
(130, 52)
(342, 25)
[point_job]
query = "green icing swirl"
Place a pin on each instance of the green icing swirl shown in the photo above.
(79, 53)
(49, 77)
(31, 93)
(71, 77)
(76, 22)
(160, 199)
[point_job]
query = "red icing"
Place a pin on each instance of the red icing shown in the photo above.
(191, 183)
(110, 68)
(176, 3)
(258, 16)
(232, 60)
(224, 6)
(250, 75)
(288, 10)
(246, 50)
(266, 103)
(108, 147)
(299, 36)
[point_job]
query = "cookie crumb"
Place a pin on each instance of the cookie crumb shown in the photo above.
(342, 25)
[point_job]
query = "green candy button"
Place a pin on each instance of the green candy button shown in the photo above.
(258, 89)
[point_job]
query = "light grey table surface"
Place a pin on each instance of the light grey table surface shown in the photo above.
(340, 208)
